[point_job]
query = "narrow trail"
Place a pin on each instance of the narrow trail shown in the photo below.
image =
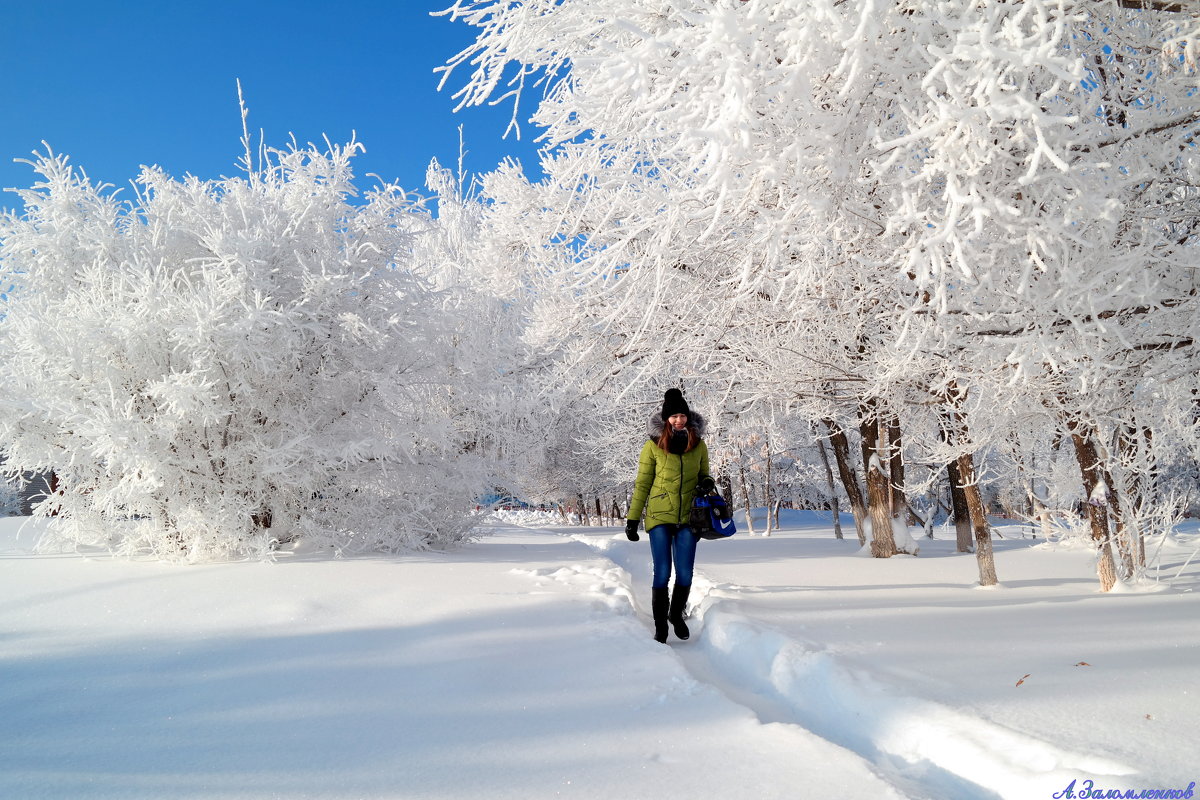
(923, 748)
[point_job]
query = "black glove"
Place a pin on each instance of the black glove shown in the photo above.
(631, 526)
(706, 485)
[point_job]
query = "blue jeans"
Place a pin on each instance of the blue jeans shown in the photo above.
(672, 540)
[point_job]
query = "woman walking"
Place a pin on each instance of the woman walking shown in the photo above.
(672, 466)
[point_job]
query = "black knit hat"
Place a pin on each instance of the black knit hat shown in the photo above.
(673, 403)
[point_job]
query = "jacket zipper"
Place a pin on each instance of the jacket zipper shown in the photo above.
(682, 521)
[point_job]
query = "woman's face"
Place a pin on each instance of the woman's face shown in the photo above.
(678, 421)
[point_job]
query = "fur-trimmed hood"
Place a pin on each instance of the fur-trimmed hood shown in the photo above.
(654, 424)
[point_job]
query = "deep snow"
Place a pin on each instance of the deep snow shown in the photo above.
(522, 666)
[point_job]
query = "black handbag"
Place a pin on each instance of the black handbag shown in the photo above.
(710, 517)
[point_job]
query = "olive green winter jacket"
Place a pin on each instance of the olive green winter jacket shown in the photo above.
(666, 482)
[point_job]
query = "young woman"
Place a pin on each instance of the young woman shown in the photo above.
(672, 466)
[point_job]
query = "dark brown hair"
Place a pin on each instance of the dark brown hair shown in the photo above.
(664, 438)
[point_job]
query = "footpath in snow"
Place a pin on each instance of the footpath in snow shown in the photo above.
(442, 675)
(522, 666)
(950, 690)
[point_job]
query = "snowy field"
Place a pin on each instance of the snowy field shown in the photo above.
(522, 666)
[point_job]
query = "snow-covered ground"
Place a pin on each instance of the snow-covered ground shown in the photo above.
(522, 666)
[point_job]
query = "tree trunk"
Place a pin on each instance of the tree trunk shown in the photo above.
(1031, 497)
(51, 479)
(833, 498)
(983, 538)
(962, 513)
(957, 435)
(745, 494)
(841, 454)
(1149, 486)
(1123, 538)
(1087, 454)
(883, 543)
(767, 493)
(1133, 485)
(896, 467)
(901, 515)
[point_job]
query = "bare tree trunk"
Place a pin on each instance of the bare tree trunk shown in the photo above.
(1149, 486)
(1127, 448)
(841, 454)
(962, 514)
(833, 498)
(957, 433)
(896, 467)
(1122, 539)
(1087, 454)
(745, 493)
(901, 511)
(883, 543)
(768, 494)
(983, 538)
(1032, 504)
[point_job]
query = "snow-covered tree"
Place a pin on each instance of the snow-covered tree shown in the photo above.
(949, 217)
(216, 366)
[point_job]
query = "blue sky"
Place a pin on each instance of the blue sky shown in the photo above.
(122, 83)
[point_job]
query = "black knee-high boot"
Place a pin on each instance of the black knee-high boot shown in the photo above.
(660, 606)
(679, 600)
